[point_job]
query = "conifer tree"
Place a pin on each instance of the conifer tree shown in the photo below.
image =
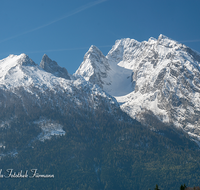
(156, 188)
(182, 187)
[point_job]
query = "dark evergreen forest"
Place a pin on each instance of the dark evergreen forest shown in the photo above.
(98, 152)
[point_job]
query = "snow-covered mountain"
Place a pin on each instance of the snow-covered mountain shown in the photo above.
(33, 93)
(159, 76)
(95, 67)
(156, 82)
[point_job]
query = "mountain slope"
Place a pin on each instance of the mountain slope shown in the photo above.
(76, 131)
(160, 76)
(97, 69)
(31, 96)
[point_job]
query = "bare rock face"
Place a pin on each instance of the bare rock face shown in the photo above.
(52, 67)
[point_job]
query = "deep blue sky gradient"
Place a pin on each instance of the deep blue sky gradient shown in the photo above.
(65, 30)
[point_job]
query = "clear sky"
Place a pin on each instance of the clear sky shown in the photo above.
(65, 29)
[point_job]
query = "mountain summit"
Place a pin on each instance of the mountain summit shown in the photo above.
(159, 77)
(52, 67)
(95, 66)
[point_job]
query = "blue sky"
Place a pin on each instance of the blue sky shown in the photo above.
(65, 30)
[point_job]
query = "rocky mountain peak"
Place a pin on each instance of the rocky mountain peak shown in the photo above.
(14, 60)
(93, 53)
(162, 37)
(52, 67)
(47, 60)
(122, 50)
(25, 60)
(161, 76)
(12, 68)
(93, 48)
(94, 66)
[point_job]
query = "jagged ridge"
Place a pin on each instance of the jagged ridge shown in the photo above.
(159, 75)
